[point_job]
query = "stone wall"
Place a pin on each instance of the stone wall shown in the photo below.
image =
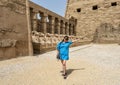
(92, 14)
(14, 40)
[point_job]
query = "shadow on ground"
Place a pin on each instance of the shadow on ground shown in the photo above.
(69, 71)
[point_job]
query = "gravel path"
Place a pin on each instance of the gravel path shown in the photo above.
(91, 64)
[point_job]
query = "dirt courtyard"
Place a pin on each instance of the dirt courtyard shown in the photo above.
(93, 64)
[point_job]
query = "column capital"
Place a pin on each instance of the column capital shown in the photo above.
(52, 17)
(44, 18)
(67, 23)
(44, 14)
(35, 11)
(63, 24)
(58, 20)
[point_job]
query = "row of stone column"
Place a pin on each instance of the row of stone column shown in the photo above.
(56, 25)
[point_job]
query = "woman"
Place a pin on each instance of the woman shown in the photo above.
(63, 50)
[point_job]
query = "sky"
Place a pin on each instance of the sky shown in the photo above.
(57, 6)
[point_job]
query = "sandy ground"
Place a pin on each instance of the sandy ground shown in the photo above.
(88, 65)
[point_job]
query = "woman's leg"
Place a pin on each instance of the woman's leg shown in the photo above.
(64, 67)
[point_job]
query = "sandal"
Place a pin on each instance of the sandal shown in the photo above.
(65, 75)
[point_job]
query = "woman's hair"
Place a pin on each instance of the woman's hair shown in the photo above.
(66, 38)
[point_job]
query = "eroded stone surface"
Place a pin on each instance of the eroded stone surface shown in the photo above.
(95, 14)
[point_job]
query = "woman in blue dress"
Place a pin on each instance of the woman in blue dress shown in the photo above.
(63, 50)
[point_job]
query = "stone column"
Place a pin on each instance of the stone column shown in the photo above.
(61, 30)
(52, 22)
(58, 27)
(72, 29)
(34, 22)
(44, 22)
(67, 28)
(63, 27)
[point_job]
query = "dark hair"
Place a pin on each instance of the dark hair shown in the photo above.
(66, 38)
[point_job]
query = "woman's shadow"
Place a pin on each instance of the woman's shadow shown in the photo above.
(69, 71)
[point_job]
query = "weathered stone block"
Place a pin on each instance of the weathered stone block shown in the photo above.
(14, 32)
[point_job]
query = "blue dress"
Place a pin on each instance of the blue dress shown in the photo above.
(63, 48)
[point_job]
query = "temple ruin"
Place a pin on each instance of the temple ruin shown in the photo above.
(48, 28)
(27, 28)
